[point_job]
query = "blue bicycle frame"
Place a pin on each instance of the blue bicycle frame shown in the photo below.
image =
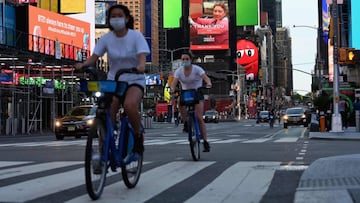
(116, 154)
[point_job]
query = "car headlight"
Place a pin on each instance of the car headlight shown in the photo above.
(57, 124)
(213, 117)
(286, 117)
(303, 116)
(203, 117)
(90, 122)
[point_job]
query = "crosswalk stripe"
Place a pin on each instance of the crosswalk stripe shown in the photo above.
(258, 140)
(287, 139)
(168, 142)
(12, 163)
(42, 186)
(23, 170)
(253, 180)
(151, 182)
(163, 141)
(229, 141)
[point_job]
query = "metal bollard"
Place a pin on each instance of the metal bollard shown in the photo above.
(357, 120)
(322, 124)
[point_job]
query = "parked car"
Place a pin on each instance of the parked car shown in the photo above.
(295, 116)
(264, 116)
(211, 116)
(76, 122)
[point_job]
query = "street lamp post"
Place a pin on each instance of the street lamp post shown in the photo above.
(336, 125)
(318, 48)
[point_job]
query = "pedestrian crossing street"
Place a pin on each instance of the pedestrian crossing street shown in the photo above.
(155, 141)
(22, 181)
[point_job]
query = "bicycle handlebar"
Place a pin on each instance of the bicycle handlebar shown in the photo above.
(96, 74)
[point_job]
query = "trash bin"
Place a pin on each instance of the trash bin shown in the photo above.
(147, 122)
(314, 124)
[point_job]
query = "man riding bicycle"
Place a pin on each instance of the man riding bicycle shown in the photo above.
(191, 76)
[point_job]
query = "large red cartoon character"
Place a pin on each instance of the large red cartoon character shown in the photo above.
(248, 57)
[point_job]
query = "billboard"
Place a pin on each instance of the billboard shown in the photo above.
(46, 29)
(101, 8)
(209, 25)
(248, 57)
(247, 12)
(172, 12)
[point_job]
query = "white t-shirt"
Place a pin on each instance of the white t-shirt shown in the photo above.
(193, 81)
(122, 54)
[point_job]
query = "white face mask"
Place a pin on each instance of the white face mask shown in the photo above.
(118, 23)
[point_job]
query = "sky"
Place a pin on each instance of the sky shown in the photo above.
(302, 13)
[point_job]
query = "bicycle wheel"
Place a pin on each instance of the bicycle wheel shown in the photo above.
(130, 172)
(95, 167)
(194, 143)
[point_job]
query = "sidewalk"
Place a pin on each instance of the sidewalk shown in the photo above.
(349, 133)
(331, 179)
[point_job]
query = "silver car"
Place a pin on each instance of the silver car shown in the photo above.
(295, 116)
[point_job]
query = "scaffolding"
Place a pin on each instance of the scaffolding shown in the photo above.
(35, 88)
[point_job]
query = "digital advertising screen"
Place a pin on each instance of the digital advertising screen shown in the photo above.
(71, 6)
(172, 12)
(209, 25)
(153, 79)
(355, 29)
(10, 25)
(247, 12)
(46, 29)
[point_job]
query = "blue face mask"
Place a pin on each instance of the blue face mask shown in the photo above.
(118, 23)
(186, 64)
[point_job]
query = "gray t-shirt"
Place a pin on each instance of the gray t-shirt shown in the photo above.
(193, 81)
(122, 54)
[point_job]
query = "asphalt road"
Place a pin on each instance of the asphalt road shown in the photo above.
(248, 162)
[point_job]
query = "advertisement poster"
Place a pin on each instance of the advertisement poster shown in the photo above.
(209, 25)
(46, 28)
(248, 57)
(101, 8)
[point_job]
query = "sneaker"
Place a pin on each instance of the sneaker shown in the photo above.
(132, 156)
(137, 151)
(206, 147)
(185, 129)
(97, 164)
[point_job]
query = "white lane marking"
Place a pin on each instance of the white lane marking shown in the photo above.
(151, 182)
(287, 139)
(259, 140)
(251, 182)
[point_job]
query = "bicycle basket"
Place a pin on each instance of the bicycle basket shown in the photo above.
(189, 97)
(97, 86)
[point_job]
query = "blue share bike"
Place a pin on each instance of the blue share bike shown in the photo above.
(189, 98)
(106, 148)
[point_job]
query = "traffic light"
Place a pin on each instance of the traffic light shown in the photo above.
(346, 56)
(350, 56)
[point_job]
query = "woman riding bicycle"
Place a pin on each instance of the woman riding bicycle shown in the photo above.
(126, 48)
(191, 76)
